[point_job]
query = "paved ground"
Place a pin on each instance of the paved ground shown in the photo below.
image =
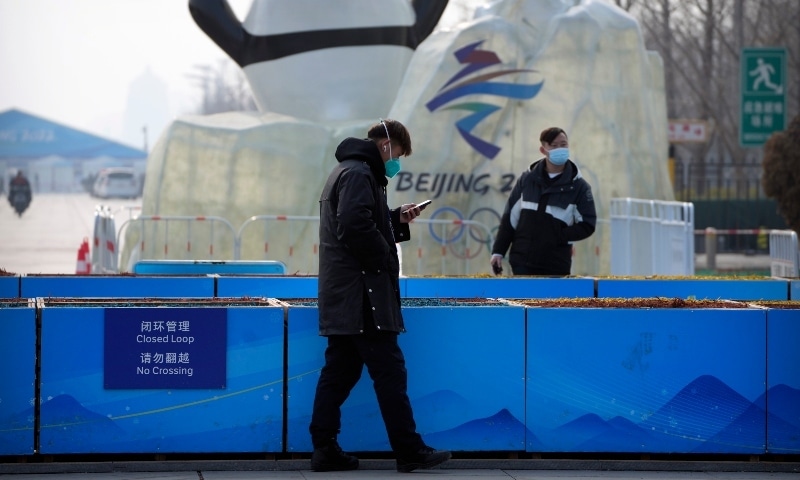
(47, 236)
(384, 469)
(731, 262)
(430, 474)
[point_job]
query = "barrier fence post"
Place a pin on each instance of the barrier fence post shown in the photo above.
(711, 248)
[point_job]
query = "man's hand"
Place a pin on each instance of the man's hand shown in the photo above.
(497, 264)
(411, 212)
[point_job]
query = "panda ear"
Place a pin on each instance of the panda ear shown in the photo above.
(428, 13)
(216, 19)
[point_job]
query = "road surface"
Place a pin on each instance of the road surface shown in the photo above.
(47, 236)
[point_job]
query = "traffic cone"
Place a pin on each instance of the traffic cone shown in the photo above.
(86, 258)
(83, 267)
(80, 265)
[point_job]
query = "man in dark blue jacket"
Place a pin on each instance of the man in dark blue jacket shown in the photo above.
(550, 206)
(359, 298)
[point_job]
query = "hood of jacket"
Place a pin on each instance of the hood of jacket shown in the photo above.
(570, 174)
(363, 150)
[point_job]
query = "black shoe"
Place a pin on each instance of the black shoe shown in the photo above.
(425, 457)
(331, 458)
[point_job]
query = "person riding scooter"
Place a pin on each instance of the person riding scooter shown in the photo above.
(19, 193)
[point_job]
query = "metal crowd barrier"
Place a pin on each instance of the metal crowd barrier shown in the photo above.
(104, 242)
(784, 253)
(651, 237)
(172, 243)
(471, 246)
(290, 221)
(462, 238)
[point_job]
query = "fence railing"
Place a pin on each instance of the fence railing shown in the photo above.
(651, 237)
(784, 253)
(189, 221)
(648, 237)
(718, 181)
(464, 239)
(288, 220)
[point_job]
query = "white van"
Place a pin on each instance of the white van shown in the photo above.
(117, 182)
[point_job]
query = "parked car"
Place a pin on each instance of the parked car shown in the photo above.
(117, 182)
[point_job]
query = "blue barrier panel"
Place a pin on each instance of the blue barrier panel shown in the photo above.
(734, 289)
(18, 365)
(272, 287)
(116, 286)
(9, 286)
(653, 380)
(513, 287)
(783, 394)
(207, 267)
(465, 378)
(794, 289)
(79, 415)
(305, 357)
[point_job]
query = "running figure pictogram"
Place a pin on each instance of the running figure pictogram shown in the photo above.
(763, 73)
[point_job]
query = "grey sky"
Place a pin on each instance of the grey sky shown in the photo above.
(73, 62)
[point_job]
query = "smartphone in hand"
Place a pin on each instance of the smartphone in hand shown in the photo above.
(421, 205)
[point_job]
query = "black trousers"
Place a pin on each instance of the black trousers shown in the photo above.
(345, 358)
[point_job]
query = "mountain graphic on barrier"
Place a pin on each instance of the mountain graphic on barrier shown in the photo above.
(783, 403)
(363, 428)
(706, 416)
(497, 432)
(69, 427)
(64, 413)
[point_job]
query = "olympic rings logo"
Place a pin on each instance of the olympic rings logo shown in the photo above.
(485, 222)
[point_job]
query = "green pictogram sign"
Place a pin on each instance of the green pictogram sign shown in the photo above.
(763, 87)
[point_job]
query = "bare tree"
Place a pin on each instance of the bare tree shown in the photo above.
(625, 4)
(700, 42)
(224, 89)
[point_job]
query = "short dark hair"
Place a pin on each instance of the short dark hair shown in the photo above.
(550, 134)
(397, 133)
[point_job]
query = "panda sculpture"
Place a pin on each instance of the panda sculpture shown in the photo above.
(322, 60)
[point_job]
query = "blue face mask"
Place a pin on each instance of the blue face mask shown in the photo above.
(559, 156)
(392, 167)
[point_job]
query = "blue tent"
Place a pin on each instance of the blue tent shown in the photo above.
(24, 136)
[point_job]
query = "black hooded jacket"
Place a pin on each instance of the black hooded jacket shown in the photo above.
(357, 252)
(543, 216)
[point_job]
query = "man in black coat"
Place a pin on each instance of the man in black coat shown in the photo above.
(359, 298)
